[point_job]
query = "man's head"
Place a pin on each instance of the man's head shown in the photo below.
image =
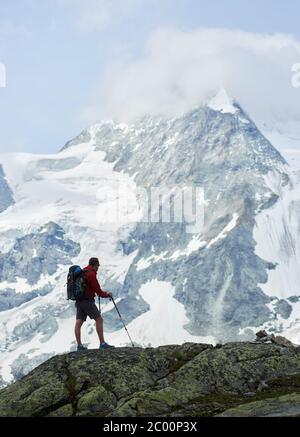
(94, 262)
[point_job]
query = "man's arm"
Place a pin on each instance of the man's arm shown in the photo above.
(96, 286)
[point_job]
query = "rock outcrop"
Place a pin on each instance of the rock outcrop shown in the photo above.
(235, 379)
(264, 337)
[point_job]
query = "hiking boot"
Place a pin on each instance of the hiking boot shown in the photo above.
(80, 348)
(105, 346)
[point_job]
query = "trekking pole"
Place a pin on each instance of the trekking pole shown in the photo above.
(122, 320)
(99, 305)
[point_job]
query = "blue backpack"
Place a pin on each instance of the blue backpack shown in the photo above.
(76, 283)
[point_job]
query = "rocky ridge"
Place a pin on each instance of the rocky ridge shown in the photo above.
(195, 380)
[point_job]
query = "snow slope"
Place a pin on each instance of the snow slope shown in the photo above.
(223, 103)
(277, 233)
(163, 323)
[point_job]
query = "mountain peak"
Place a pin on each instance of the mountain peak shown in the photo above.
(223, 102)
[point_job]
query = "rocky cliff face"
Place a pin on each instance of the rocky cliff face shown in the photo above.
(31, 260)
(223, 152)
(236, 379)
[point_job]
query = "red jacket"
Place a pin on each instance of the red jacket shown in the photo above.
(93, 284)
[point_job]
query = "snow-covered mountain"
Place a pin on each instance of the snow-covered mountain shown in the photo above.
(6, 197)
(237, 275)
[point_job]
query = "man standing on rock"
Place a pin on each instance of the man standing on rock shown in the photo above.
(87, 307)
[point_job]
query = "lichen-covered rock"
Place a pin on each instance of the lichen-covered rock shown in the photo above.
(190, 379)
(282, 341)
(282, 406)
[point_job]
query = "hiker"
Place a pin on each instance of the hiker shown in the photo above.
(87, 307)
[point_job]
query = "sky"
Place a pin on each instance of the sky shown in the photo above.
(70, 63)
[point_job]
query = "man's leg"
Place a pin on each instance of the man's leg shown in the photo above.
(78, 325)
(99, 328)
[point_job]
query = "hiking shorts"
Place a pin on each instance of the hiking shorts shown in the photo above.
(86, 307)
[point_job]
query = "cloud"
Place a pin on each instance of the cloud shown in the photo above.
(180, 69)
